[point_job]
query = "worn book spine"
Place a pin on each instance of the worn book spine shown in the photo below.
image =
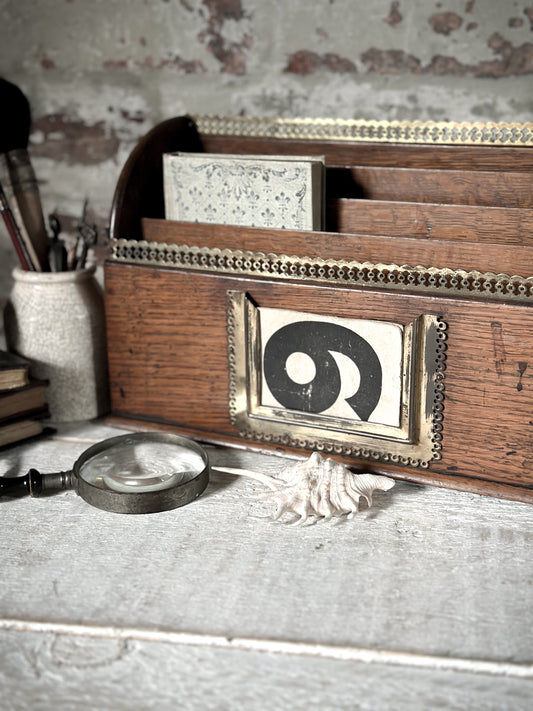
(14, 371)
(30, 399)
(19, 430)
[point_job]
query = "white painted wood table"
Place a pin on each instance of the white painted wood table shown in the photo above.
(424, 601)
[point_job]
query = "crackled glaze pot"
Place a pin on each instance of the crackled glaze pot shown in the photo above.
(56, 320)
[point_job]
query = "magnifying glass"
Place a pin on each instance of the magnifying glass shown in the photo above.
(132, 473)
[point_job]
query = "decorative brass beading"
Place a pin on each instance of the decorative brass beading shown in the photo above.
(390, 277)
(360, 130)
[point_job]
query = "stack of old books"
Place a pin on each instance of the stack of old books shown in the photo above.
(22, 400)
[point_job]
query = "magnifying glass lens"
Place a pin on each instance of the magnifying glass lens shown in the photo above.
(132, 474)
(137, 467)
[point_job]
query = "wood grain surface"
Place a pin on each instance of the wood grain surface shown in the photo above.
(414, 250)
(450, 187)
(486, 225)
(168, 360)
(349, 154)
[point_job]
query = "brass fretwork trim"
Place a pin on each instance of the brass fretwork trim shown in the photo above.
(391, 277)
(360, 130)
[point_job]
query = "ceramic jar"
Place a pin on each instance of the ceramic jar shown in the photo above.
(56, 321)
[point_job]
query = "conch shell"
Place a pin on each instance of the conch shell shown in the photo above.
(317, 487)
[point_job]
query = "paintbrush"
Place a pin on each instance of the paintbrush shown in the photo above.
(9, 195)
(14, 232)
(15, 123)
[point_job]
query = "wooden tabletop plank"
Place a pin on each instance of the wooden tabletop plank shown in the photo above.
(51, 669)
(425, 571)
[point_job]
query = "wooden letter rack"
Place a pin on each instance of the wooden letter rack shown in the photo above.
(414, 305)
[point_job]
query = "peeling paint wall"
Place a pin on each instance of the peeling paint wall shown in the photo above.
(100, 73)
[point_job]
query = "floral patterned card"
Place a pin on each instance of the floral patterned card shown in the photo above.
(276, 192)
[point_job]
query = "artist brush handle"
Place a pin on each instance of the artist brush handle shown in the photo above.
(28, 200)
(14, 233)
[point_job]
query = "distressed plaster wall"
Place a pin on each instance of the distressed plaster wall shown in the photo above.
(100, 73)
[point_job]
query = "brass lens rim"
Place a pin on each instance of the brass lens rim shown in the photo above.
(143, 501)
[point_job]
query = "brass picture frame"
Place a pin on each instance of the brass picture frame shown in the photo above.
(415, 441)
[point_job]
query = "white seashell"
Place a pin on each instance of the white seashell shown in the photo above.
(318, 488)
